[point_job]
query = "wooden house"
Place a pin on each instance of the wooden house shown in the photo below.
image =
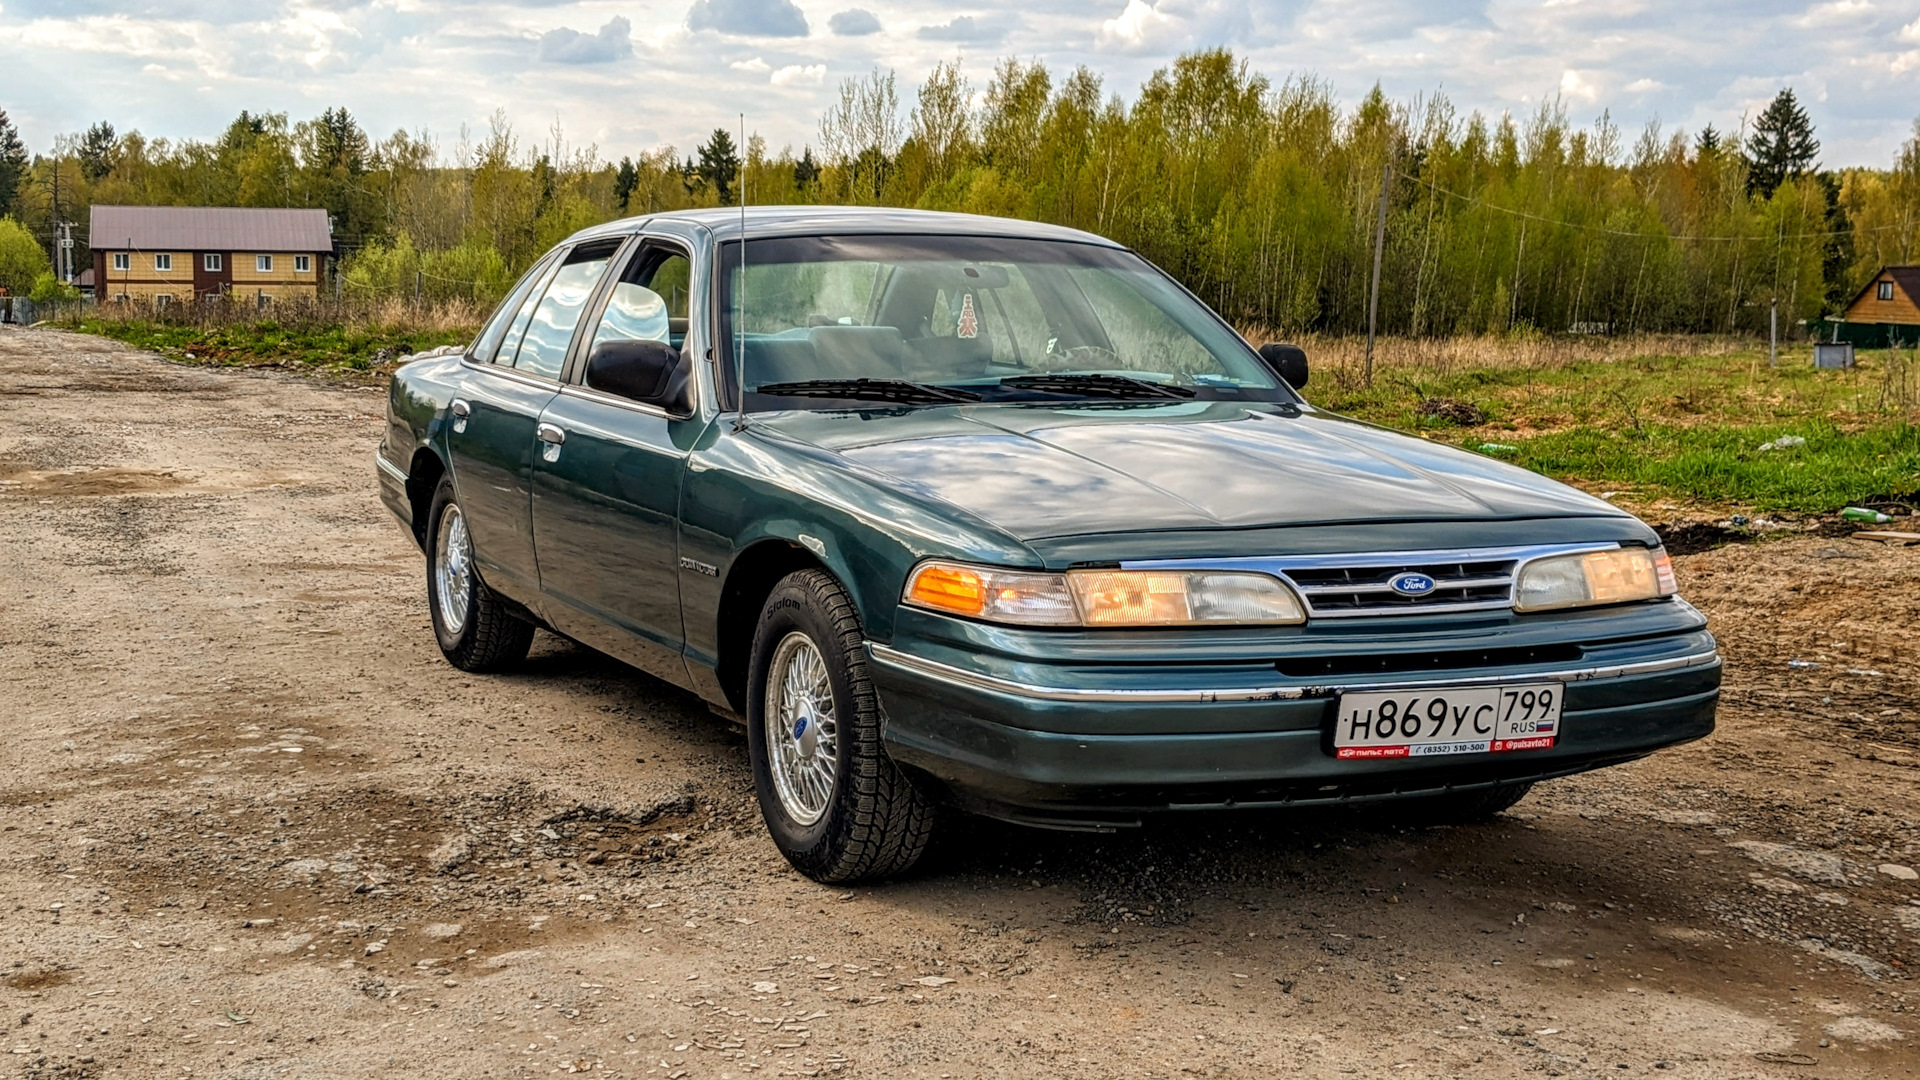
(178, 254)
(1885, 313)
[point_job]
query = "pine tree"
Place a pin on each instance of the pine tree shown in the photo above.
(806, 170)
(625, 180)
(1782, 146)
(13, 166)
(719, 164)
(96, 152)
(1707, 143)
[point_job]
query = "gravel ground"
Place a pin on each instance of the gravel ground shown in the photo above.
(252, 825)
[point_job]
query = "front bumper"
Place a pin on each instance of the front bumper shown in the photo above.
(1071, 744)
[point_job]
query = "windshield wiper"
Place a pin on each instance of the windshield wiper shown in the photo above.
(868, 390)
(1112, 386)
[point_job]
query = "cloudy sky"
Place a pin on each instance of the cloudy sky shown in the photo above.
(625, 75)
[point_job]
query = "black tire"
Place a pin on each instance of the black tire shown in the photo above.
(1459, 807)
(489, 637)
(874, 823)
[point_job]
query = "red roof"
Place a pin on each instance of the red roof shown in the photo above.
(208, 228)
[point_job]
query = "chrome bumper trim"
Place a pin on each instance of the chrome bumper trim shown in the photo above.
(389, 467)
(958, 677)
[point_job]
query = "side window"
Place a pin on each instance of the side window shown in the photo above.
(649, 302)
(543, 347)
(501, 337)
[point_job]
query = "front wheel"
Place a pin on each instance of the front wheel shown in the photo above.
(475, 630)
(837, 806)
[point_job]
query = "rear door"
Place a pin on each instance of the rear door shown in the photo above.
(493, 436)
(606, 499)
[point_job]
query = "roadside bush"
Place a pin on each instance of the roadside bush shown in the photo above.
(48, 289)
(22, 260)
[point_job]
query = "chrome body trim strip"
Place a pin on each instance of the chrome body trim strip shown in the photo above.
(1270, 564)
(972, 680)
(1279, 565)
(389, 467)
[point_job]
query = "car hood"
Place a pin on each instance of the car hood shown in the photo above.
(1048, 471)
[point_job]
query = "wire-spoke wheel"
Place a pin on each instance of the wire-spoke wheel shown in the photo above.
(836, 805)
(475, 628)
(802, 736)
(453, 568)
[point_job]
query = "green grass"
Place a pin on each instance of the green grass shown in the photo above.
(266, 342)
(1678, 428)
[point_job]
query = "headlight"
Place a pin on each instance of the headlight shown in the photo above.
(1104, 597)
(1597, 577)
(1005, 596)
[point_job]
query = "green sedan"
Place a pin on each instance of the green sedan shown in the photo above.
(960, 514)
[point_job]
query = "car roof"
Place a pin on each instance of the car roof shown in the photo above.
(724, 223)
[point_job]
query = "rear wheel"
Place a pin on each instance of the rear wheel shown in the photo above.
(836, 805)
(1460, 807)
(475, 630)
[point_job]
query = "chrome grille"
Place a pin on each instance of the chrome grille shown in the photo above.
(1332, 591)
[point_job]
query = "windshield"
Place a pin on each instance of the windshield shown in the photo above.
(926, 319)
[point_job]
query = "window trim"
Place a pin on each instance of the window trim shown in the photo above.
(263, 264)
(303, 264)
(1883, 290)
(123, 260)
(163, 262)
(637, 247)
(211, 262)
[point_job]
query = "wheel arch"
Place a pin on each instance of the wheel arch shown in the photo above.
(423, 479)
(750, 579)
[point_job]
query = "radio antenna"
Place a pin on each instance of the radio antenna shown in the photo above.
(740, 293)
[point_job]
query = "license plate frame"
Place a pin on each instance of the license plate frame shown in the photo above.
(1451, 720)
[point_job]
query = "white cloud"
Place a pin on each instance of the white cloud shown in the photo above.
(1575, 85)
(1911, 32)
(799, 75)
(611, 42)
(748, 18)
(967, 29)
(854, 22)
(756, 64)
(1139, 27)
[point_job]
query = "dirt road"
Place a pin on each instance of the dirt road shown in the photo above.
(252, 825)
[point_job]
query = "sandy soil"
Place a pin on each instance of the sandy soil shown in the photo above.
(252, 825)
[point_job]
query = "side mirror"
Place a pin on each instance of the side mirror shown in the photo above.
(1287, 361)
(640, 370)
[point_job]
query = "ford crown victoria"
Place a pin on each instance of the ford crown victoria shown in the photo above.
(965, 514)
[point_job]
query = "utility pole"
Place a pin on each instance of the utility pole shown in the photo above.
(1379, 246)
(1773, 332)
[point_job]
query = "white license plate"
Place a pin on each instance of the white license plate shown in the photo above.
(1457, 720)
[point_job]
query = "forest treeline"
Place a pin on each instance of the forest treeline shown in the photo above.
(1263, 197)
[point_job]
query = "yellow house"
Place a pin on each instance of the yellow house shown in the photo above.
(179, 254)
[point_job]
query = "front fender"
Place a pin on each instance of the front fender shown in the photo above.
(744, 490)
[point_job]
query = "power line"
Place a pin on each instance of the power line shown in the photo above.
(1602, 229)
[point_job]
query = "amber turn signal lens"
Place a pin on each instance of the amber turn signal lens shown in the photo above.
(1020, 597)
(948, 588)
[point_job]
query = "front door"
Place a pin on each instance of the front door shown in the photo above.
(493, 436)
(606, 498)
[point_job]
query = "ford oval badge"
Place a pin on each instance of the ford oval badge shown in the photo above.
(1411, 584)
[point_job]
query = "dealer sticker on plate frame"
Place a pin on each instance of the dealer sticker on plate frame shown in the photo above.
(1418, 722)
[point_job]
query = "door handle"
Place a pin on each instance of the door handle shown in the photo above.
(548, 433)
